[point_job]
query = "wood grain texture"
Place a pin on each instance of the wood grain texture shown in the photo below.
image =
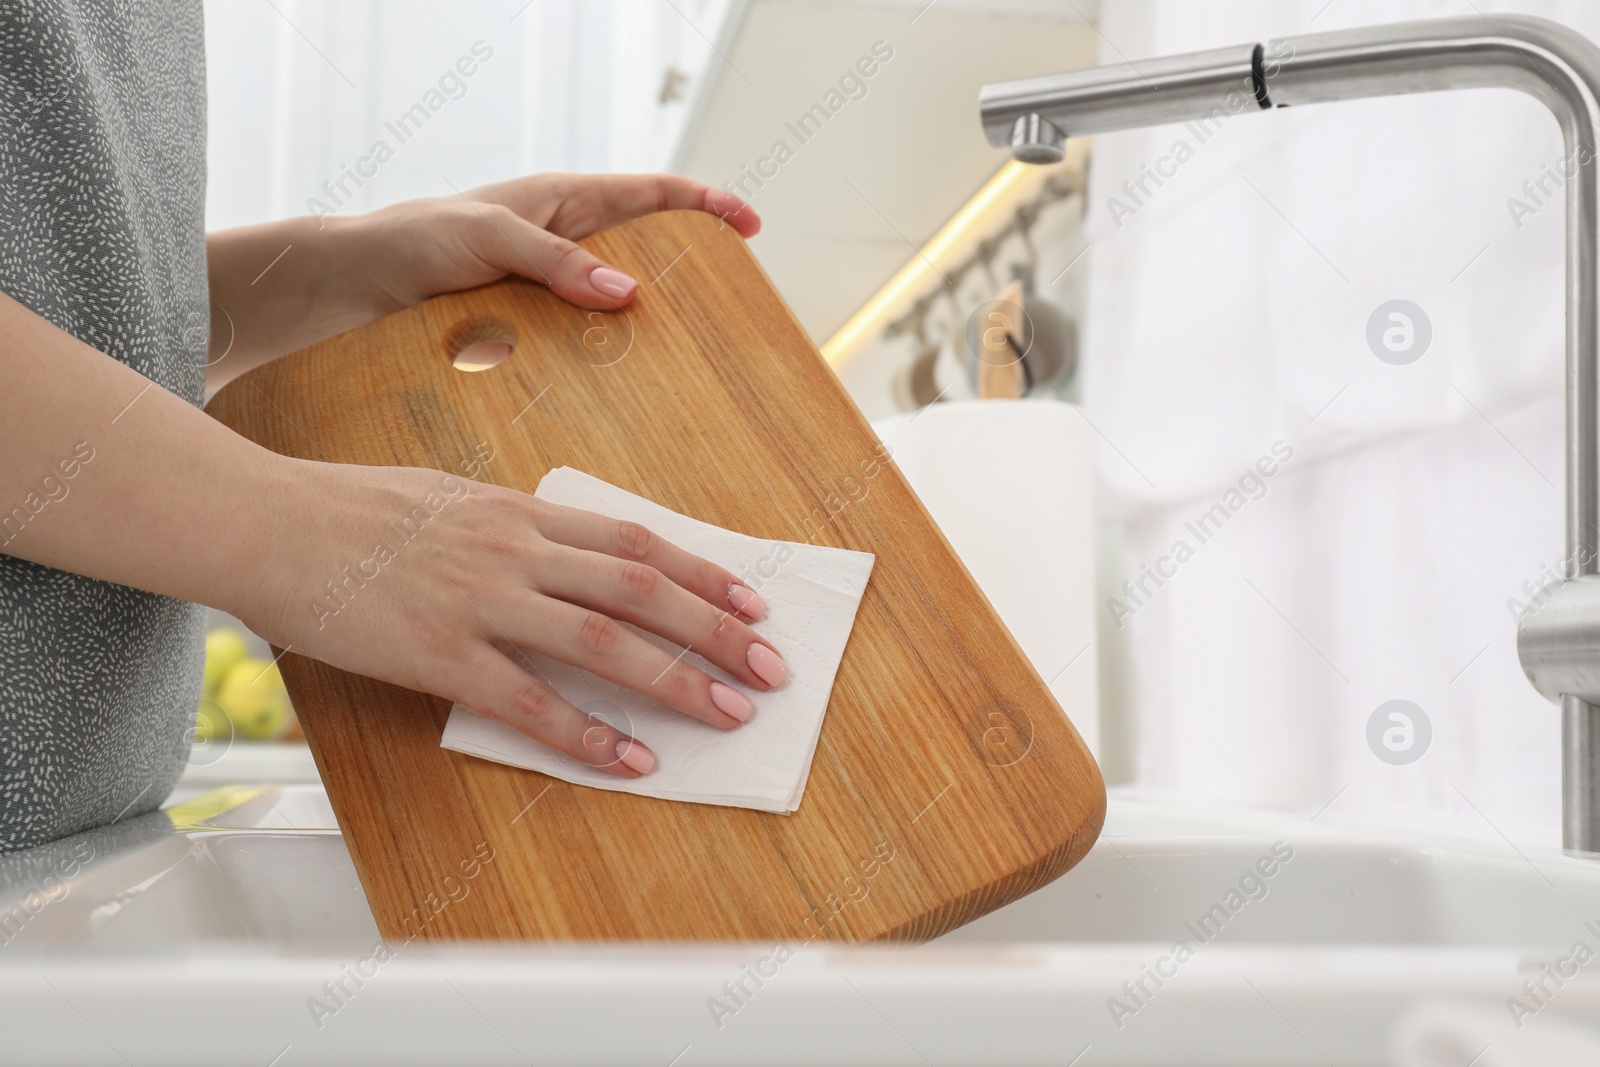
(947, 780)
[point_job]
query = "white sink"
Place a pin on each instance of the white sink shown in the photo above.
(210, 942)
(1332, 892)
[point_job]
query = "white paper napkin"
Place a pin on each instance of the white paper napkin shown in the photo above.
(811, 593)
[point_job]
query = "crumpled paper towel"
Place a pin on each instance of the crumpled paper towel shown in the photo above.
(811, 593)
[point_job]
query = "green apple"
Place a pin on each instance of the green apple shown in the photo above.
(224, 650)
(254, 698)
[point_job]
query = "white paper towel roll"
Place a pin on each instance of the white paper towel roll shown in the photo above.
(1011, 484)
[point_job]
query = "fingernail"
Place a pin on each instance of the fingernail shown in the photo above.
(746, 601)
(731, 702)
(767, 664)
(635, 756)
(612, 282)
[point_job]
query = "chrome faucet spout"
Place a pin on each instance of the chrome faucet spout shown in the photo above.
(1559, 641)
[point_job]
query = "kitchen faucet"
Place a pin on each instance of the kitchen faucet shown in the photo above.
(1558, 640)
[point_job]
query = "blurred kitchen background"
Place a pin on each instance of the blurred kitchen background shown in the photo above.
(1194, 305)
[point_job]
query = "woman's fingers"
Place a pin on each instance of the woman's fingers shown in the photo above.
(639, 593)
(601, 645)
(577, 205)
(500, 689)
(510, 243)
(634, 543)
(520, 235)
(528, 227)
(620, 197)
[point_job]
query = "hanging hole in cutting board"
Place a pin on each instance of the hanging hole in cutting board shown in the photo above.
(481, 342)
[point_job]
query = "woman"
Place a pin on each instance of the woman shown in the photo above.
(124, 507)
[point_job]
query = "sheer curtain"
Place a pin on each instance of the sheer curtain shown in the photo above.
(1240, 307)
(303, 93)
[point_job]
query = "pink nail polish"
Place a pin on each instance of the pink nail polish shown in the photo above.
(746, 601)
(612, 282)
(767, 664)
(634, 756)
(730, 701)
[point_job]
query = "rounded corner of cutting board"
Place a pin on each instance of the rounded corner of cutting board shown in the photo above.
(1083, 805)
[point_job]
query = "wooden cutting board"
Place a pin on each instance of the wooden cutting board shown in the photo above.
(947, 780)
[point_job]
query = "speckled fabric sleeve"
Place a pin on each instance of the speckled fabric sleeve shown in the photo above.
(102, 231)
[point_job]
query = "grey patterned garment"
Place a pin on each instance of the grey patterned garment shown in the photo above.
(102, 231)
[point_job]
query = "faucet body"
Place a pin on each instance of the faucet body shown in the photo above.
(1558, 641)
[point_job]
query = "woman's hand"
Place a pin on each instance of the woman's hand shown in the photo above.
(282, 286)
(435, 583)
(411, 576)
(528, 226)
(488, 571)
